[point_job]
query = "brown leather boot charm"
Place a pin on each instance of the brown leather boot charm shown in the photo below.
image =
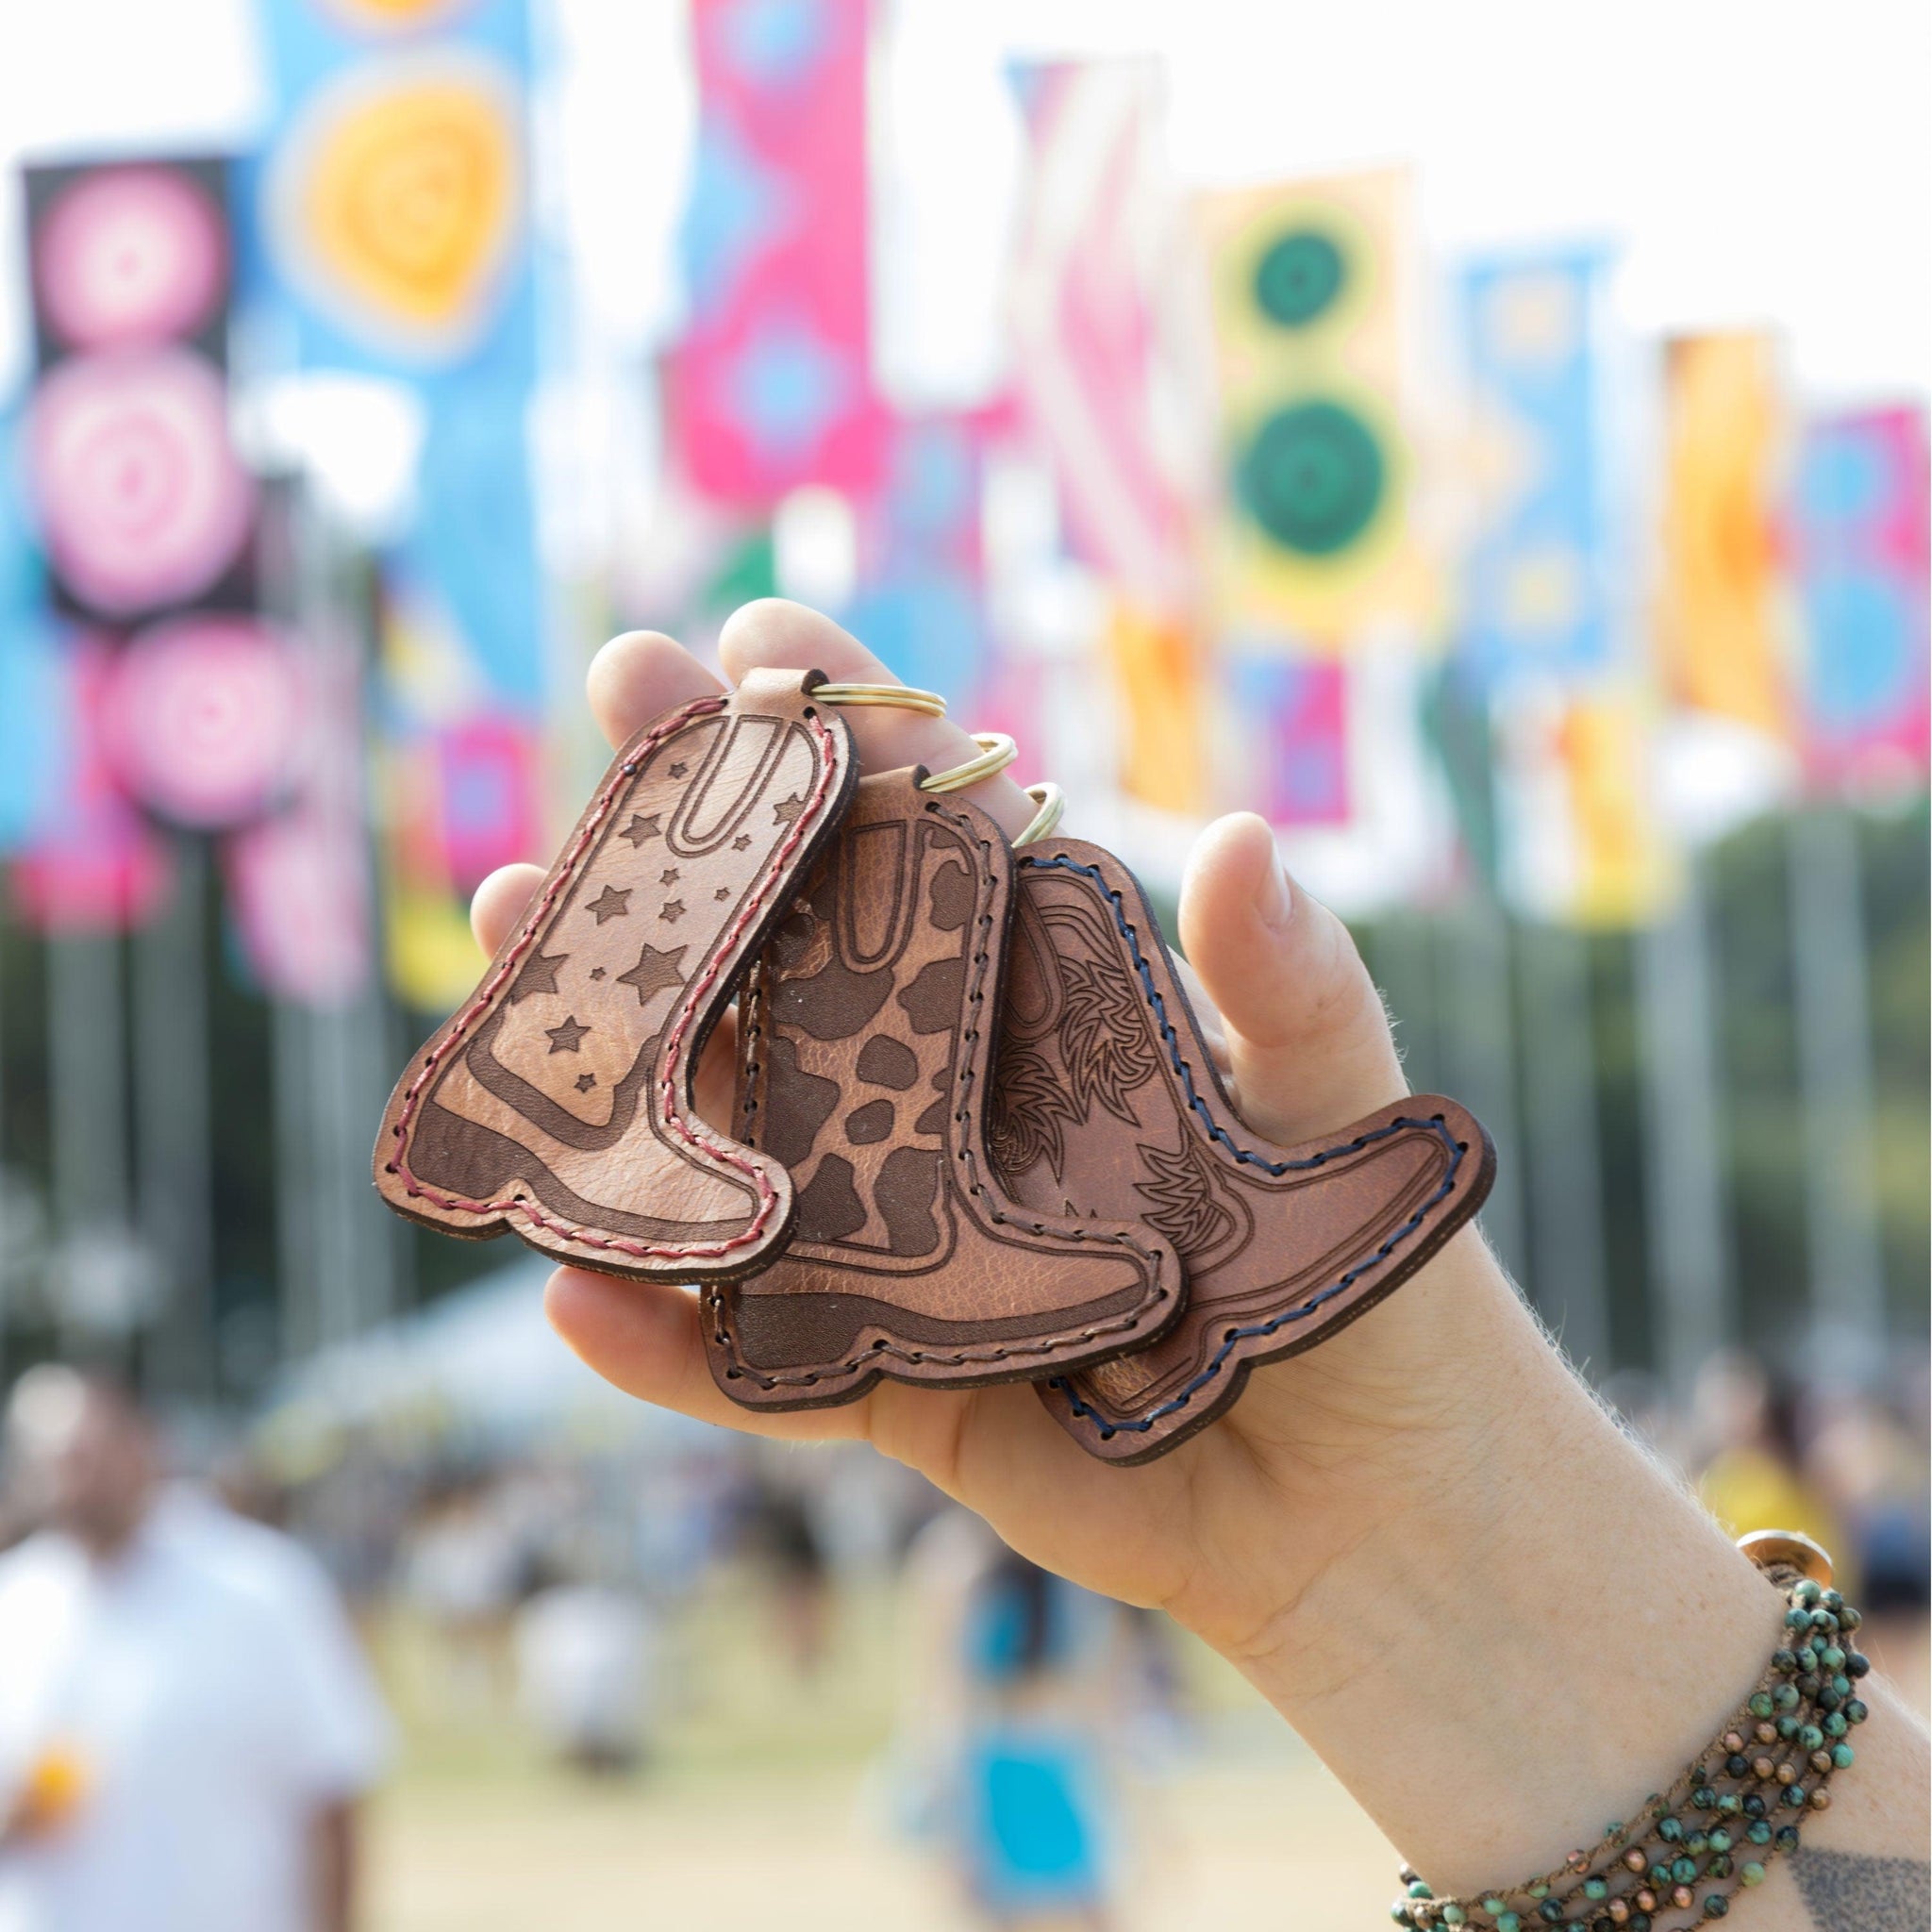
(864, 1041)
(1105, 1103)
(556, 1101)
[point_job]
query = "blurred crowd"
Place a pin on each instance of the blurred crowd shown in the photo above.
(190, 1713)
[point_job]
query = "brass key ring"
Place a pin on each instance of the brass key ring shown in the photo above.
(900, 697)
(1052, 802)
(996, 752)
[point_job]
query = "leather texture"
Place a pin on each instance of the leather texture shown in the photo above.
(864, 1037)
(556, 1101)
(1105, 1103)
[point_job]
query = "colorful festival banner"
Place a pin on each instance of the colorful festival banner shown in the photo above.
(771, 386)
(1156, 662)
(1535, 584)
(1582, 841)
(1856, 537)
(33, 738)
(919, 601)
(1291, 719)
(92, 863)
(1084, 308)
(1311, 288)
(141, 503)
(1721, 630)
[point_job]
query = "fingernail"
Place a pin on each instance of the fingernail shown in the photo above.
(1274, 901)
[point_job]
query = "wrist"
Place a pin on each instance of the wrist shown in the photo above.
(1530, 1626)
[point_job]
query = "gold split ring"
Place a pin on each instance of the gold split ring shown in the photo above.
(900, 697)
(996, 752)
(1052, 802)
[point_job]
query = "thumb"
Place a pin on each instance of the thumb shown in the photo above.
(1309, 1042)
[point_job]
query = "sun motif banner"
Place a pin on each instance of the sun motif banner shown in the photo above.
(1535, 578)
(771, 386)
(1857, 536)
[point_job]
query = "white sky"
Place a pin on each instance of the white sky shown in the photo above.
(1763, 160)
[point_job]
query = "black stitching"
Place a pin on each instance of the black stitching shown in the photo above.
(1255, 1330)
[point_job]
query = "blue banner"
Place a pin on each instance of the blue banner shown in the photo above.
(1536, 583)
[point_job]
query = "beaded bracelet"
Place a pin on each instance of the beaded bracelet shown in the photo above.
(1693, 1847)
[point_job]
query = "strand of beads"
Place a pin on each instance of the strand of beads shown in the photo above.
(1692, 1849)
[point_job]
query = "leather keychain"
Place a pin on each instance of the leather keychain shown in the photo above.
(1105, 1102)
(863, 1040)
(556, 1101)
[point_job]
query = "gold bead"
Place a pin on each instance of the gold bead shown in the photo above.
(1636, 1859)
(1619, 1911)
(1733, 1742)
(1761, 1769)
(1680, 1897)
(1820, 1799)
(1787, 1774)
(1647, 1899)
(1820, 1762)
(1767, 1733)
(1579, 1861)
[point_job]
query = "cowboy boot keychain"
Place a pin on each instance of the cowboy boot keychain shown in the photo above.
(1105, 1102)
(864, 1039)
(556, 1101)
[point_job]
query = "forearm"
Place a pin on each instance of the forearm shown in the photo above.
(1550, 1633)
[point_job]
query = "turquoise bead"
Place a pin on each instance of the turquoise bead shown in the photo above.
(1683, 1869)
(1418, 1890)
(1753, 1873)
(1806, 1591)
(1697, 1844)
(1595, 1888)
(1551, 1911)
(1452, 1914)
(1798, 1619)
(1541, 1889)
(1785, 1697)
(1834, 1658)
(1508, 1922)
(1760, 1832)
(1811, 1738)
(1842, 1685)
(1492, 1905)
(1730, 1804)
(1794, 1796)
(1670, 1830)
(1399, 1912)
(1716, 1906)
(1720, 1840)
(1856, 1711)
(1842, 1756)
(1835, 1726)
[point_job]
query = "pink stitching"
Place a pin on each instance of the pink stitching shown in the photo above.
(695, 1133)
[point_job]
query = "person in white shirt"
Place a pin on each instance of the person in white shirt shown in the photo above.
(186, 1719)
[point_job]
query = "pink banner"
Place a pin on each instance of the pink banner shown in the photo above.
(1856, 536)
(1083, 315)
(771, 387)
(1294, 717)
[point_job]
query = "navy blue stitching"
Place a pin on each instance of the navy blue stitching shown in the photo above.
(1235, 1336)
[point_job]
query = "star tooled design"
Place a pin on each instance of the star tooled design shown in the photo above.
(641, 828)
(741, 843)
(585, 1082)
(596, 972)
(787, 809)
(723, 893)
(653, 971)
(614, 902)
(568, 1037)
(678, 771)
(668, 877)
(671, 910)
(539, 975)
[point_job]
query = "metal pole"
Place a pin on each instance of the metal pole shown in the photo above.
(173, 1124)
(1688, 1240)
(1563, 1167)
(86, 1077)
(1478, 1059)
(295, 1204)
(1842, 1229)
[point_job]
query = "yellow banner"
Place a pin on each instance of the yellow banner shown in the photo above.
(1156, 663)
(1721, 625)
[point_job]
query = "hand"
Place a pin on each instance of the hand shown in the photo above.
(1423, 1539)
(1323, 1441)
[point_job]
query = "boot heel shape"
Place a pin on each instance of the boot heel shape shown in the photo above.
(864, 1041)
(1105, 1103)
(556, 1101)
